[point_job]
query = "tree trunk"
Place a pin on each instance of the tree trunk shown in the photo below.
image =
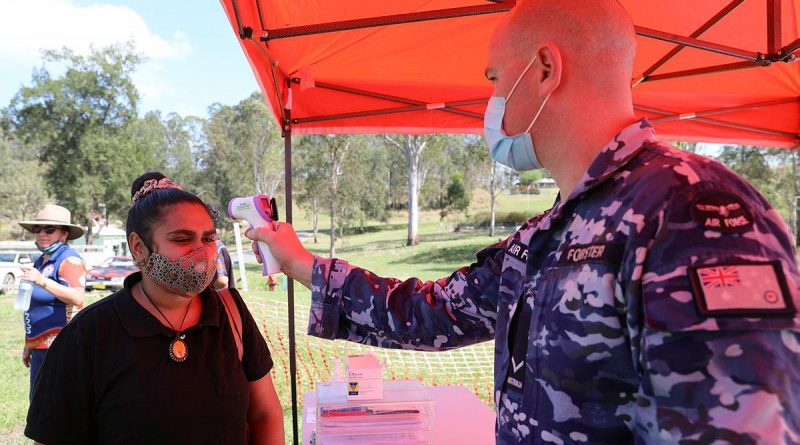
(89, 233)
(413, 204)
(413, 151)
(315, 217)
(412, 147)
(333, 225)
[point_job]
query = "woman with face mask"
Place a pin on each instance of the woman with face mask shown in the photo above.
(58, 277)
(162, 360)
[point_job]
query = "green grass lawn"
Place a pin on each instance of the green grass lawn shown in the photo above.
(381, 249)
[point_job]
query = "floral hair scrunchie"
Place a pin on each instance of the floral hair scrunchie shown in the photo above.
(153, 184)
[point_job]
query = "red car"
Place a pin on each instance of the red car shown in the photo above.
(110, 274)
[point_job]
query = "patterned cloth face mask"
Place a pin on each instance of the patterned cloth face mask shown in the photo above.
(188, 274)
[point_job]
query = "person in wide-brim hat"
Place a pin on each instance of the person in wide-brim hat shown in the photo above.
(54, 215)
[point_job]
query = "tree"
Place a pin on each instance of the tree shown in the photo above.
(494, 177)
(753, 164)
(22, 187)
(244, 154)
(340, 170)
(412, 147)
(457, 197)
(75, 119)
(773, 172)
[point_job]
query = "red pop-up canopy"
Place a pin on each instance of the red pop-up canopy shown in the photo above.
(711, 70)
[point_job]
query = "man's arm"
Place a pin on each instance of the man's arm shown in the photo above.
(355, 304)
(720, 342)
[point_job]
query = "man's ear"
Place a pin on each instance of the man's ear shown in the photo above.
(139, 250)
(550, 67)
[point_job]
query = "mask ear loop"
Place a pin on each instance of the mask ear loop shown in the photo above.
(149, 251)
(519, 79)
(541, 107)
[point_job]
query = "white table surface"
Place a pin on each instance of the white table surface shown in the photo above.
(461, 418)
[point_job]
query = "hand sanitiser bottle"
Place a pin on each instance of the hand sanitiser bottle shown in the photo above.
(23, 301)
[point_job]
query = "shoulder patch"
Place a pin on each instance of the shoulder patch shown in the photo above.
(747, 290)
(721, 212)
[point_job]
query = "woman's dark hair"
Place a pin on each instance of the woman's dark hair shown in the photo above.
(216, 216)
(146, 210)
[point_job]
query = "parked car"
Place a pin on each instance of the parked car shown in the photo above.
(11, 263)
(110, 274)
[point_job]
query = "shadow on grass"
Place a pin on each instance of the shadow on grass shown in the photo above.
(455, 254)
(371, 246)
(366, 229)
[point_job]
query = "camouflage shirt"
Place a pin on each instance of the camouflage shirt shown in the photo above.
(656, 304)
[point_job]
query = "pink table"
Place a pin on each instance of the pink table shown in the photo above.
(461, 418)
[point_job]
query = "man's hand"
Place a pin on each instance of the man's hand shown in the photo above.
(26, 356)
(285, 246)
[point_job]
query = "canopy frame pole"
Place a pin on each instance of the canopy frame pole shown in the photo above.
(395, 19)
(692, 115)
(774, 35)
(697, 33)
(408, 109)
(786, 52)
(703, 45)
(715, 122)
(703, 70)
(260, 15)
(391, 98)
(244, 32)
(287, 162)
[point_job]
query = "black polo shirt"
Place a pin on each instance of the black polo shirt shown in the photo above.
(108, 378)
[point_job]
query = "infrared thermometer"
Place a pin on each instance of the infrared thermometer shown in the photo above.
(258, 211)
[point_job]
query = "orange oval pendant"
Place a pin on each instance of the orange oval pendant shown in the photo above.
(178, 350)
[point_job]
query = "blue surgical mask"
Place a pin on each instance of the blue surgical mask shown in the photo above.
(514, 151)
(51, 249)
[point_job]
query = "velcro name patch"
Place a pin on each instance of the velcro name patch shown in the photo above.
(749, 289)
(584, 253)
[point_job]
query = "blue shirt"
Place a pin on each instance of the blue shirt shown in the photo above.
(656, 304)
(47, 314)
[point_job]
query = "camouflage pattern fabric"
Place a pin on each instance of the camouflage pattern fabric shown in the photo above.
(656, 304)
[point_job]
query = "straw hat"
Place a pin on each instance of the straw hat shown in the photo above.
(53, 215)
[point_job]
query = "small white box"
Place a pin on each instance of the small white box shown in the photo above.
(364, 377)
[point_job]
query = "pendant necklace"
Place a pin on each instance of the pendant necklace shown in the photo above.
(178, 349)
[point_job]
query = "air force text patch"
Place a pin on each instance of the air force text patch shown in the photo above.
(518, 251)
(721, 212)
(750, 289)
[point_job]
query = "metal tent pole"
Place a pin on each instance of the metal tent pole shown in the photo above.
(287, 159)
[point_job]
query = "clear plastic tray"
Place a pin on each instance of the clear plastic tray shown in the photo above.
(406, 407)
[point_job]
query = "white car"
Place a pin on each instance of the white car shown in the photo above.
(11, 263)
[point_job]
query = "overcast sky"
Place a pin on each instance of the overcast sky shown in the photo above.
(193, 56)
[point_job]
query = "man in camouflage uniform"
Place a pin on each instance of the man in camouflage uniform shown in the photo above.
(655, 304)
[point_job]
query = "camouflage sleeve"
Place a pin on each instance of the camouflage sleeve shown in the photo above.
(355, 304)
(720, 340)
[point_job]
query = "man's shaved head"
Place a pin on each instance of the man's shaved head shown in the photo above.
(596, 37)
(569, 65)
